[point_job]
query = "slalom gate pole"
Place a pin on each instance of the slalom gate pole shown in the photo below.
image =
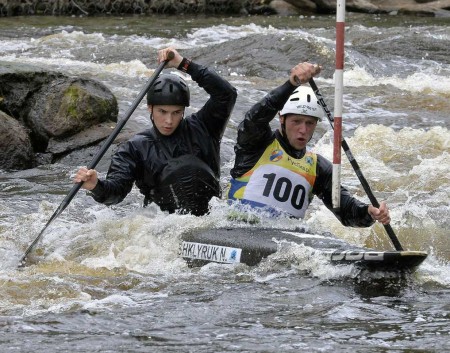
(338, 102)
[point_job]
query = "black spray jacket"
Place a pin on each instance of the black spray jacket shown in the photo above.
(255, 134)
(143, 158)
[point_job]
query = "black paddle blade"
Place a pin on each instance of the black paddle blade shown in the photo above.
(32, 258)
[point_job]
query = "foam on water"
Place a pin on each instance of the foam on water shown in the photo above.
(428, 80)
(410, 170)
(14, 46)
(153, 42)
(131, 69)
(96, 258)
(223, 33)
(425, 82)
(70, 39)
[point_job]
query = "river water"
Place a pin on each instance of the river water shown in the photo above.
(110, 278)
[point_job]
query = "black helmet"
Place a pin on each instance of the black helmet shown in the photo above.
(168, 89)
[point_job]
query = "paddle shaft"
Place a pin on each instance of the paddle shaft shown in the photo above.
(98, 156)
(356, 167)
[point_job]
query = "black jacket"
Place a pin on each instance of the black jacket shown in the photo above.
(255, 134)
(143, 157)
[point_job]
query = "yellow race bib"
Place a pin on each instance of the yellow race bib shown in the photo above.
(277, 181)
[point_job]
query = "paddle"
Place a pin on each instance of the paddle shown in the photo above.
(356, 168)
(98, 156)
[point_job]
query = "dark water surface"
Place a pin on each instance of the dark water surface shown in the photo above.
(110, 278)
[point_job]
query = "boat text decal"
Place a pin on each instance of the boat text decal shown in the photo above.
(210, 252)
(357, 255)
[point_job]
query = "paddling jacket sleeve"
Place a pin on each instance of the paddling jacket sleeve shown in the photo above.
(217, 110)
(142, 159)
(255, 134)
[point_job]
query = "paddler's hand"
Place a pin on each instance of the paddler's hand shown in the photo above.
(163, 55)
(380, 214)
(89, 178)
(303, 72)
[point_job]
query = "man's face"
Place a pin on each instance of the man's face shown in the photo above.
(166, 117)
(299, 129)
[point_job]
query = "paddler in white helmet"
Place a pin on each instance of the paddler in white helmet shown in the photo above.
(274, 171)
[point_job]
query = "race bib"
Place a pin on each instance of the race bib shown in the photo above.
(280, 188)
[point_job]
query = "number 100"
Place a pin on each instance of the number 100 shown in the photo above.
(284, 191)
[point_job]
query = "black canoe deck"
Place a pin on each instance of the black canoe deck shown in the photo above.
(251, 245)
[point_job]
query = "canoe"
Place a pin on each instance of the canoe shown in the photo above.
(250, 245)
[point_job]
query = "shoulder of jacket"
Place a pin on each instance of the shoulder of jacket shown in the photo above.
(145, 135)
(136, 142)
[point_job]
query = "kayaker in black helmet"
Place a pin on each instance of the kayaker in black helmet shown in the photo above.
(175, 164)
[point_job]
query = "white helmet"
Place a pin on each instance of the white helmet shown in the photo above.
(303, 101)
